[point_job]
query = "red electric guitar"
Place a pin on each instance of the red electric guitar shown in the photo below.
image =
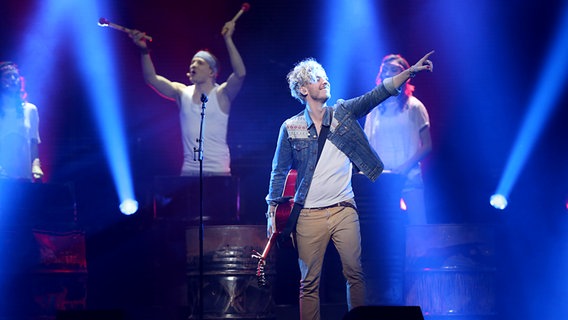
(282, 214)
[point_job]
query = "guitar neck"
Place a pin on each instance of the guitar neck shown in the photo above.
(268, 246)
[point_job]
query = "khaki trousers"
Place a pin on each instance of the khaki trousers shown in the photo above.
(314, 230)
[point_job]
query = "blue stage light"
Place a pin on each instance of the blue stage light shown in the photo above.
(102, 78)
(129, 206)
(352, 52)
(544, 100)
(498, 201)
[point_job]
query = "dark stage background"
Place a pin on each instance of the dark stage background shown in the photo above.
(485, 74)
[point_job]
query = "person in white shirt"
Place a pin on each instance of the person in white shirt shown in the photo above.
(399, 131)
(202, 74)
(19, 128)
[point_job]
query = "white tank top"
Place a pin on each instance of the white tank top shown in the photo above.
(216, 156)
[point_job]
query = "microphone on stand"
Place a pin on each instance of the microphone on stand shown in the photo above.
(198, 151)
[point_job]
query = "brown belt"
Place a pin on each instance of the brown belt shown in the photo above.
(339, 204)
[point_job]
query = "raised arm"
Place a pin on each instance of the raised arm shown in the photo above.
(37, 172)
(234, 83)
(421, 65)
(166, 88)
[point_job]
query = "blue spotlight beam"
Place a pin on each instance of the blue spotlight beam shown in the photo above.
(41, 40)
(351, 51)
(542, 103)
(99, 72)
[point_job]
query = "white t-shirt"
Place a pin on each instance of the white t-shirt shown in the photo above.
(16, 133)
(332, 179)
(396, 137)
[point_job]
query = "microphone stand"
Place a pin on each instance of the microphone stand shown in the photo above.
(198, 155)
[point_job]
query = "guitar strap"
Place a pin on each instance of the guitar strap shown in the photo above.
(293, 218)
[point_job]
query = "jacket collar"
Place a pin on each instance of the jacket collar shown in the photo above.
(326, 121)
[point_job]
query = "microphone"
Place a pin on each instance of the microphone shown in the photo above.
(204, 98)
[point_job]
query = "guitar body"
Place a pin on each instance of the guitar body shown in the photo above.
(282, 214)
(283, 210)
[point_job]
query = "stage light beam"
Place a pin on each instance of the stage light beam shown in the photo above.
(498, 201)
(129, 206)
(550, 85)
(358, 42)
(100, 75)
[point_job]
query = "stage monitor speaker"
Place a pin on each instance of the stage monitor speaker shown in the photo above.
(385, 313)
(89, 315)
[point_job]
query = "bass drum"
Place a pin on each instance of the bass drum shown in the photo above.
(230, 285)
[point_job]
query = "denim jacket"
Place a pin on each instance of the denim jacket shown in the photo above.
(297, 145)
